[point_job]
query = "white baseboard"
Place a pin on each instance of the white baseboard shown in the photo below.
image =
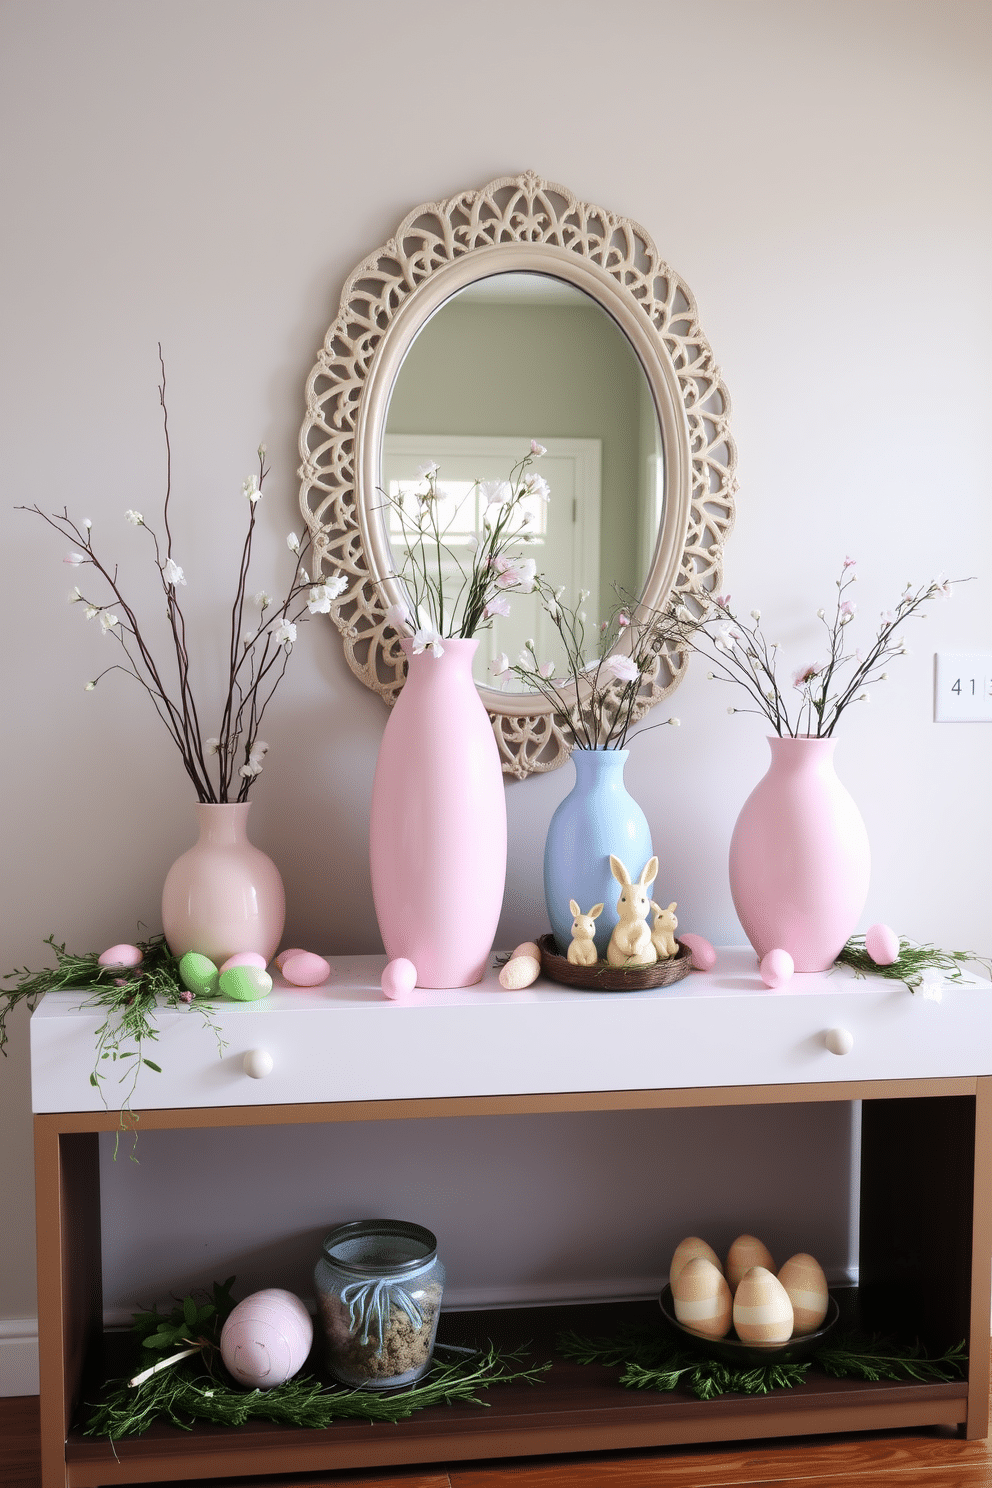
(18, 1356)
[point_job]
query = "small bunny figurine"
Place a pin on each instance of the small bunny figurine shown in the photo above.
(582, 950)
(663, 931)
(630, 943)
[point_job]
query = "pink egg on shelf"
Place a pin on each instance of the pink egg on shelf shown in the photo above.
(121, 955)
(305, 969)
(285, 955)
(702, 953)
(267, 1338)
(777, 968)
(399, 978)
(244, 958)
(882, 944)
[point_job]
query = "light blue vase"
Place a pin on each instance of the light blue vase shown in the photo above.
(595, 819)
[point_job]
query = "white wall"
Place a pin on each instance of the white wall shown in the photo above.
(207, 175)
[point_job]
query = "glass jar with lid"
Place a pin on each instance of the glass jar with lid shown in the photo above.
(379, 1287)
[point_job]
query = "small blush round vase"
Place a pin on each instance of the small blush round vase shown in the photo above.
(437, 830)
(799, 857)
(224, 895)
(597, 817)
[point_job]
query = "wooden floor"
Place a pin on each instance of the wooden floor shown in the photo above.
(919, 1459)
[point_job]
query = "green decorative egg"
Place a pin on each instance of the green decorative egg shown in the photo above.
(199, 974)
(245, 983)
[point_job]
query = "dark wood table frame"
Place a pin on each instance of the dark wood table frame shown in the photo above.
(925, 1251)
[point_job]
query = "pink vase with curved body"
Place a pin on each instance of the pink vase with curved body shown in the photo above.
(437, 836)
(224, 895)
(799, 857)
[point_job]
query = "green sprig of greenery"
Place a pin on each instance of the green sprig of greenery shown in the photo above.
(650, 1359)
(131, 996)
(859, 1356)
(187, 1393)
(911, 963)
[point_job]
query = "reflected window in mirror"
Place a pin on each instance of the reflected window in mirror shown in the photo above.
(518, 356)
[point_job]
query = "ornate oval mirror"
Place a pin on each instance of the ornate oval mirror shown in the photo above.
(501, 315)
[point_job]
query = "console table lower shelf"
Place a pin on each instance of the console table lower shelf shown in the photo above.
(576, 1408)
(925, 1239)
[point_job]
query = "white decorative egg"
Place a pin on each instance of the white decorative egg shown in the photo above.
(803, 1279)
(266, 1339)
(762, 1310)
(882, 944)
(701, 1298)
(746, 1252)
(519, 972)
(121, 955)
(688, 1250)
(527, 948)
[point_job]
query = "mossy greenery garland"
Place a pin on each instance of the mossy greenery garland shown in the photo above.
(131, 997)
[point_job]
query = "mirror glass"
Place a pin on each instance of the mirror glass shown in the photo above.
(520, 356)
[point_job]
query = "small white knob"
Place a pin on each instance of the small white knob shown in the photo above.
(257, 1063)
(839, 1040)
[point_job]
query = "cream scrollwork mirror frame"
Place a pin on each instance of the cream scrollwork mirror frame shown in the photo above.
(514, 224)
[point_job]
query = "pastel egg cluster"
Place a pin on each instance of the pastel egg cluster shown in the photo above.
(746, 1292)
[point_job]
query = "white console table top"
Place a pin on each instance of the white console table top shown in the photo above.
(346, 1042)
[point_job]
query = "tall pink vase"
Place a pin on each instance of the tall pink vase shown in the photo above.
(224, 895)
(799, 857)
(437, 838)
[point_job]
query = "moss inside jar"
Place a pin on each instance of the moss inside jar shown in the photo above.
(379, 1287)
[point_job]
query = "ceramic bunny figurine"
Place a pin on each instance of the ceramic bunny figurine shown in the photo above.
(582, 950)
(663, 931)
(630, 943)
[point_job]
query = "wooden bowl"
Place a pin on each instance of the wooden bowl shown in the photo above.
(605, 978)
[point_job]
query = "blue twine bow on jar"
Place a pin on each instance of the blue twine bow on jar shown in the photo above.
(369, 1302)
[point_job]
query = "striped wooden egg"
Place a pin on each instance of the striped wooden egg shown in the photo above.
(746, 1251)
(688, 1250)
(702, 1299)
(803, 1279)
(762, 1310)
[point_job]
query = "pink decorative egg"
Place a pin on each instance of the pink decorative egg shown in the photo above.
(399, 978)
(244, 958)
(306, 970)
(881, 943)
(702, 953)
(121, 955)
(285, 955)
(266, 1338)
(777, 968)
(519, 972)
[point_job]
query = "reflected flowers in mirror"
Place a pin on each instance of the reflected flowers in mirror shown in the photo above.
(462, 551)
